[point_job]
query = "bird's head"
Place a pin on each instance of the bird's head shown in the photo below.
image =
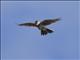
(37, 22)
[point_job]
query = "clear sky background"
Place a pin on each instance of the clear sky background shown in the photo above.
(19, 42)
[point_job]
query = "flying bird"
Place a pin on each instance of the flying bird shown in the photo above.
(42, 25)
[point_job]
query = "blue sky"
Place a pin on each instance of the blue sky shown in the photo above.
(26, 43)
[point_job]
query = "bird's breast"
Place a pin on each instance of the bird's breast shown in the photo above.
(38, 23)
(41, 27)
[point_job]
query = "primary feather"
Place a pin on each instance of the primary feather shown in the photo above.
(49, 21)
(27, 24)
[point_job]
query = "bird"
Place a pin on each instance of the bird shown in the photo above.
(41, 25)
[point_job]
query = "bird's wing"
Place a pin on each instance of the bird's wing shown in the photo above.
(28, 24)
(49, 21)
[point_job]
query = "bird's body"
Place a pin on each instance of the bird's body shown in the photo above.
(41, 25)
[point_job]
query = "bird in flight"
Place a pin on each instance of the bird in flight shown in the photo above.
(42, 25)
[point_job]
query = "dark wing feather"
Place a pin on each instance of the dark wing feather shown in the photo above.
(28, 24)
(49, 21)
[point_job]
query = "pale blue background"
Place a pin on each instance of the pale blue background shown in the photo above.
(26, 43)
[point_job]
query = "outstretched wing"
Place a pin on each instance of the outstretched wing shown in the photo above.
(49, 21)
(28, 24)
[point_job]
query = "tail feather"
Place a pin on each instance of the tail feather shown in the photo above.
(46, 31)
(43, 32)
(49, 31)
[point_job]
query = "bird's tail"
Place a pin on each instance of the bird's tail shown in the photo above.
(46, 31)
(49, 31)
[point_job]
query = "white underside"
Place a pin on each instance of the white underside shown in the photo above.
(38, 22)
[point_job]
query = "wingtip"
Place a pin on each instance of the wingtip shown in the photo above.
(58, 18)
(20, 24)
